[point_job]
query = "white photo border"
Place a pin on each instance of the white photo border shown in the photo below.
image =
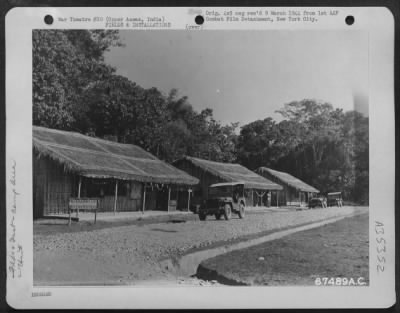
(20, 22)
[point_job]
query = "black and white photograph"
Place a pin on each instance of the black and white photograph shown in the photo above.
(212, 159)
(182, 142)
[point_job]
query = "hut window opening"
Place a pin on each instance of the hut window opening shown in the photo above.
(104, 188)
(123, 189)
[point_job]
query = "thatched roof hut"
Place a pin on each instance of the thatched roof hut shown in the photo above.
(295, 191)
(232, 172)
(122, 177)
(98, 158)
(286, 178)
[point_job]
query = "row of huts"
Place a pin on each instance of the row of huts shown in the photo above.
(124, 177)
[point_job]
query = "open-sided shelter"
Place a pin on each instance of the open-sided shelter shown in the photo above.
(295, 191)
(123, 177)
(257, 188)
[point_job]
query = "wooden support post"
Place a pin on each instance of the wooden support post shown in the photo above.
(188, 207)
(277, 198)
(169, 197)
(177, 198)
(79, 187)
(79, 195)
(144, 197)
(252, 197)
(95, 211)
(115, 196)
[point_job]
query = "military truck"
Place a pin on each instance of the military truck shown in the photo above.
(223, 200)
(335, 199)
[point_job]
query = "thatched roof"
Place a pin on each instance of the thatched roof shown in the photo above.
(286, 178)
(98, 158)
(231, 172)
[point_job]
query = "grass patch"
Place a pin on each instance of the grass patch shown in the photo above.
(340, 249)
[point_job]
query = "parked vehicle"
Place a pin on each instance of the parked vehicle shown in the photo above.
(223, 200)
(317, 202)
(335, 199)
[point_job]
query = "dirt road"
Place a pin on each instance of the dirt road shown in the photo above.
(131, 254)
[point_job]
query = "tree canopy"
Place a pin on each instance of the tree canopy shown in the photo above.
(64, 64)
(321, 145)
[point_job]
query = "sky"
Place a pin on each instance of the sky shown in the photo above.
(248, 75)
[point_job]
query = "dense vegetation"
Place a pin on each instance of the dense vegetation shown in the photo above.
(326, 147)
(74, 89)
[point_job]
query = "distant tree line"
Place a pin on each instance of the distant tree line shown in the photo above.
(323, 146)
(74, 89)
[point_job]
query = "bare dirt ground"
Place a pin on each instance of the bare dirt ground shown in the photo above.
(131, 254)
(339, 250)
(49, 226)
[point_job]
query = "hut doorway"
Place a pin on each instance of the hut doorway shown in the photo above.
(162, 199)
(185, 199)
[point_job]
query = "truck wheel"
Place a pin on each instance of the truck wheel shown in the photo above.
(227, 212)
(218, 216)
(202, 216)
(241, 210)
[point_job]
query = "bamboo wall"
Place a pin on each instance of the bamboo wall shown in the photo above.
(52, 187)
(206, 179)
(106, 204)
